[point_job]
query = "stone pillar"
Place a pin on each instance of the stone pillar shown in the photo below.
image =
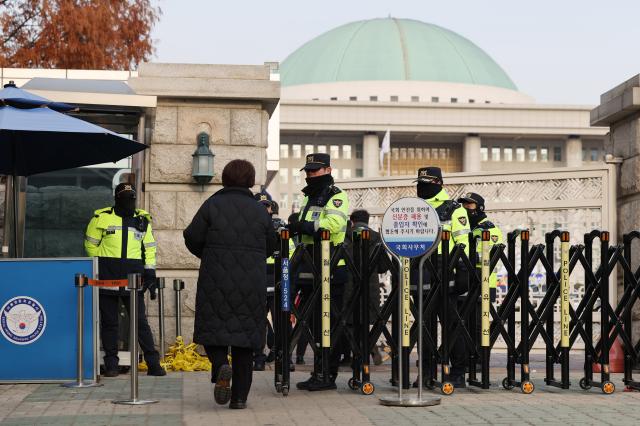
(619, 110)
(471, 161)
(371, 155)
(574, 151)
(232, 104)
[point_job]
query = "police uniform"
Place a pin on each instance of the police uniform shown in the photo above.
(453, 218)
(325, 206)
(121, 238)
(482, 223)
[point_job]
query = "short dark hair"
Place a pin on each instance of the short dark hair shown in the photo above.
(240, 173)
(360, 216)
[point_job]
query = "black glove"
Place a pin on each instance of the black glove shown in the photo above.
(302, 227)
(149, 282)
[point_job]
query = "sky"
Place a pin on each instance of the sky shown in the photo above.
(558, 51)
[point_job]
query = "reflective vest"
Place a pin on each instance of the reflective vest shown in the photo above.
(496, 238)
(453, 218)
(332, 216)
(105, 238)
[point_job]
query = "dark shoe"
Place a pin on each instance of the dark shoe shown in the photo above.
(111, 373)
(300, 360)
(258, 365)
(222, 389)
(156, 370)
(271, 357)
(292, 366)
(238, 405)
(458, 381)
(319, 385)
(305, 385)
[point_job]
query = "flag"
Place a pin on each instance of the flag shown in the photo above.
(386, 147)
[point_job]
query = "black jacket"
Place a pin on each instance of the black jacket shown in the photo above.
(232, 235)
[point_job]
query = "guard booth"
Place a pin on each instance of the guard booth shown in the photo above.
(38, 320)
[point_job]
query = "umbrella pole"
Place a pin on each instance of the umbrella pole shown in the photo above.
(16, 193)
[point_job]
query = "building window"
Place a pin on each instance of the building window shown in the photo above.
(544, 154)
(373, 98)
(295, 151)
(435, 99)
(346, 152)
(495, 153)
(418, 153)
(454, 100)
(487, 102)
(415, 99)
(520, 154)
(427, 154)
(284, 201)
(394, 98)
(359, 151)
(359, 173)
(533, 153)
(284, 176)
(333, 98)
(472, 101)
(411, 153)
(584, 154)
(557, 153)
(296, 176)
(484, 154)
(334, 151)
(403, 153)
(594, 154)
(346, 173)
(308, 149)
(322, 149)
(434, 153)
(284, 151)
(507, 154)
(353, 98)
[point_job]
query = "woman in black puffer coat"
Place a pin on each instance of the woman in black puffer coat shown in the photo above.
(232, 235)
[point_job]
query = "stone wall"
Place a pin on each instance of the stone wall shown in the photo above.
(619, 109)
(232, 105)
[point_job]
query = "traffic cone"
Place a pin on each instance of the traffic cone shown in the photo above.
(616, 359)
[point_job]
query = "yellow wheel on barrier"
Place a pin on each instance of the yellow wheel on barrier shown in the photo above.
(527, 387)
(368, 388)
(608, 388)
(447, 388)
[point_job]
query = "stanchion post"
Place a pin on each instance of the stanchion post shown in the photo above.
(161, 286)
(326, 302)
(285, 308)
(80, 283)
(178, 286)
(134, 287)
(485, 307)
(565, 294)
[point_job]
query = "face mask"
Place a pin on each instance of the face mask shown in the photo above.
(428, 190)
(317, 182)
(475, 217)
(125, 207)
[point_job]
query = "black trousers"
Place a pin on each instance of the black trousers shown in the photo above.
(242, 365)
(109, 315)
(259, 352)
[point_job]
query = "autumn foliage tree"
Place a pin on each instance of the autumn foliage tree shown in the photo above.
(79, 34)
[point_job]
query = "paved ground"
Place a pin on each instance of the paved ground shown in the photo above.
(185, 398)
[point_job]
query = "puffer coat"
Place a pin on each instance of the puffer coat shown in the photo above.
(232, 235)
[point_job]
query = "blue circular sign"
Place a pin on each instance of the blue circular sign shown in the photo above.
(410, 227)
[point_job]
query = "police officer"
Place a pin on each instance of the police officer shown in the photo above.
(121, 237)
(259, 358)
(474, 204)
(454, 219)
(325, 206)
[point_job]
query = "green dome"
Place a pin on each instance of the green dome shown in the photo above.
(392, 49)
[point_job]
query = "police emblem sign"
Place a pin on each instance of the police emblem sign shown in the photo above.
(22, 320)
(410, 227)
